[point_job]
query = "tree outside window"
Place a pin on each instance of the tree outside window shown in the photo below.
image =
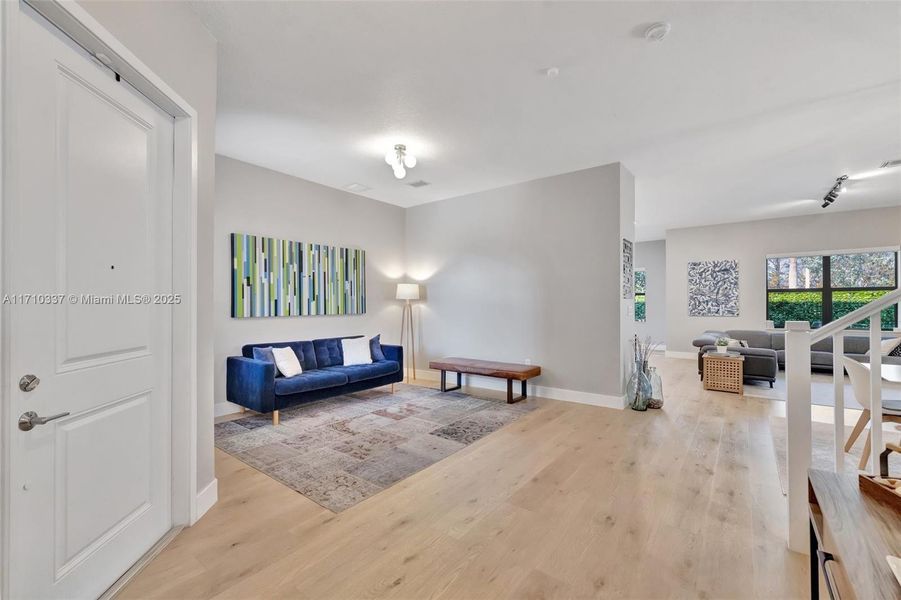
(820, 289)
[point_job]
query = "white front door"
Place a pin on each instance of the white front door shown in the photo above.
(88, 239)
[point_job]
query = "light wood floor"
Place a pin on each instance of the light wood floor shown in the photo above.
(569, 501)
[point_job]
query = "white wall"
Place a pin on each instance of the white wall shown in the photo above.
(251, 199)
(528, 271)
(170, 39)
(749, 243)
(651, 256)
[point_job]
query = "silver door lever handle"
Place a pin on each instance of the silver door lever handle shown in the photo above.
(29, 419)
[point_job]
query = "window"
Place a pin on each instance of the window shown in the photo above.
(820, 289)
(640, 295)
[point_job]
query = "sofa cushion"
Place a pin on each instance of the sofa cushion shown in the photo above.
(375, 348)
(777, 341)
(328, 352)
(755, 339)
(824, 345)
(371, 371)
(356, 351)
(708, 338)
(309, 380)
(857, 344)
(287, 362)
(264, 353)
(820, 359)
(306, 354)
(303, 350)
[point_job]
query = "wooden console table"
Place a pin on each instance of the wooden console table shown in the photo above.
(486, 368)
(851, 533)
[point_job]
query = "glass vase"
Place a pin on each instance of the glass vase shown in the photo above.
(639, 388)
(656, 400)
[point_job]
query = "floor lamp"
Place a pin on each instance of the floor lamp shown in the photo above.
(408, 292)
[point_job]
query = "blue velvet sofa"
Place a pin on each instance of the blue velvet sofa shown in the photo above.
(257, 384)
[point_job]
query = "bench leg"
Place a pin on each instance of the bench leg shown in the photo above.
(510, 398)
(444, 387)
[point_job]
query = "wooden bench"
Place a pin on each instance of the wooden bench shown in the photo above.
(486, 368)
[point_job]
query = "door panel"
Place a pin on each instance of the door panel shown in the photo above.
(92, 503)
(91, 219)
(105, 163)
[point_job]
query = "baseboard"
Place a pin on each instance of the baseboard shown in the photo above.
(677, 354)
(493, 383)
(207, 498)
(220, 409)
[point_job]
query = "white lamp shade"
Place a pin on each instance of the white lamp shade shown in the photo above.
(408, 291)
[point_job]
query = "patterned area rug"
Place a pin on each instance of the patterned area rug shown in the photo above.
(340, 451)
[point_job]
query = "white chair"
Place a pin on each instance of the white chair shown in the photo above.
(860, 383)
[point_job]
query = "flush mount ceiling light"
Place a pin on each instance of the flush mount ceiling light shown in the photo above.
(400, 160)
(837, 188)
(657, 31)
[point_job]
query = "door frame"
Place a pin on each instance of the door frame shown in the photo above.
(79, 25)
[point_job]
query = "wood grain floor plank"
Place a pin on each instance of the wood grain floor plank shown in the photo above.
(570, 501)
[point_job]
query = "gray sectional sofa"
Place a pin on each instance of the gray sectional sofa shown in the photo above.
(766, 351)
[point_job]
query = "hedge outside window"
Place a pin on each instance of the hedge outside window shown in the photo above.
(640, 296)
(820, 289)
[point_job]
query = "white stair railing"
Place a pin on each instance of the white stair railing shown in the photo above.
(798, 340)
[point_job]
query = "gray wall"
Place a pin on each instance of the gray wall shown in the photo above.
(749, 243)
(651, 256)
(527, 272)
(170, 39)
(251, 199)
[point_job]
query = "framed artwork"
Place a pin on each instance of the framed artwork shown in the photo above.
(282, 278)
(713, 288)
(641, 280)
(628, 271)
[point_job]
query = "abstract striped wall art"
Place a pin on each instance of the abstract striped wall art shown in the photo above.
(282, 278)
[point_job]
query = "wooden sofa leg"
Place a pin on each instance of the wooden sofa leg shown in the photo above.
(275, 417)
(392, 388)
(243, 409)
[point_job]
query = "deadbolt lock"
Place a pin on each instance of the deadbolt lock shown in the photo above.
(29, 382)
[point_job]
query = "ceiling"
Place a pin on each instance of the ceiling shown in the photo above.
(747, 110)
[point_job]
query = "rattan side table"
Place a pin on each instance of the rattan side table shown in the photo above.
(724, 372)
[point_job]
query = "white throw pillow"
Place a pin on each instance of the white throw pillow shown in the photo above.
(886, 346)
(286, 361)
(356, 351)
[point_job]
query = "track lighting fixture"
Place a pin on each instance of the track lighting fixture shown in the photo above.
(837, 188)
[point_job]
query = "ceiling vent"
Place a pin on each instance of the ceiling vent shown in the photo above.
(891, 163)
(418, 184)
